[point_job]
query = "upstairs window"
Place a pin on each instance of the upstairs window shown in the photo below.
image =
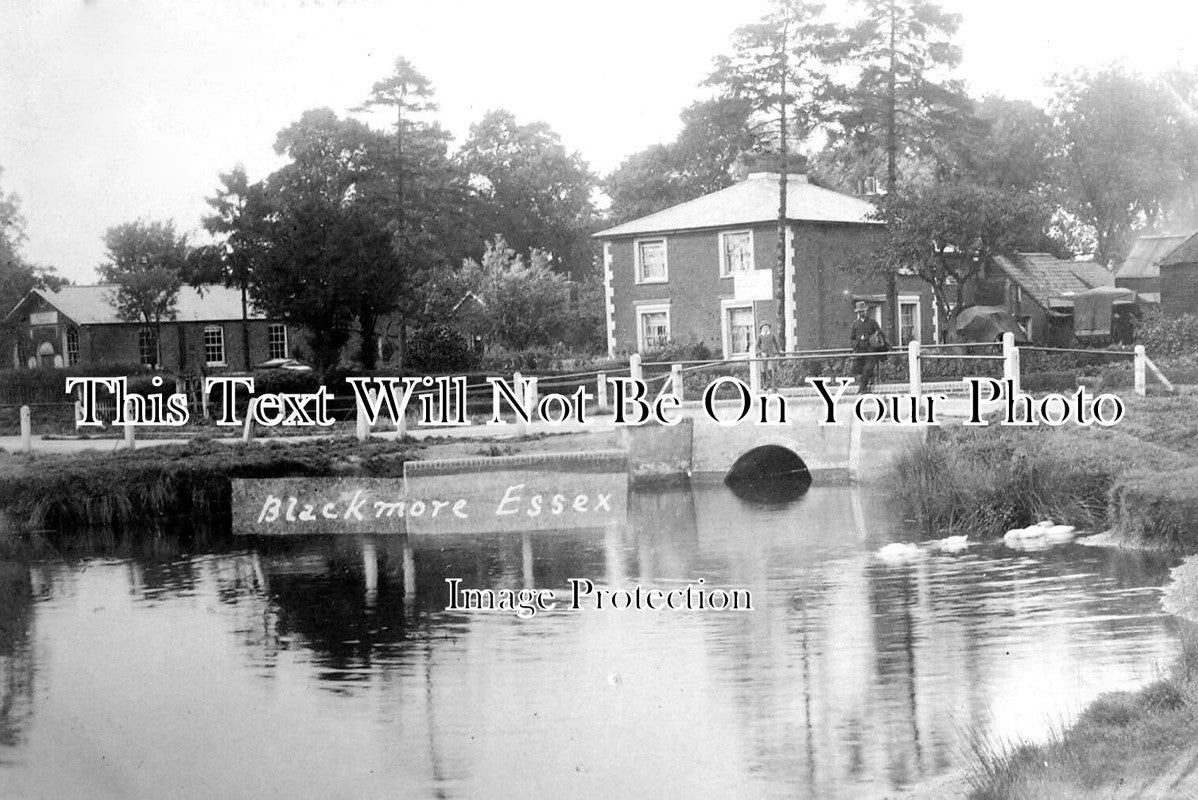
(736, 252)
(276, 341)
(214, 346)
(651, 266)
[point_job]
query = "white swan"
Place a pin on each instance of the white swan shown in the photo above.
(952, 544)
(1045, 531)
(899, 552)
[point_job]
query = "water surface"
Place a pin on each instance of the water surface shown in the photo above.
(311, 668)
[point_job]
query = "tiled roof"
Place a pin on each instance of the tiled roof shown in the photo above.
(1145, 257)
(1185, 253)
(751, 201)
(1047, 277)
(91, 305)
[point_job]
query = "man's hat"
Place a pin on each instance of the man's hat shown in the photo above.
(861, 306)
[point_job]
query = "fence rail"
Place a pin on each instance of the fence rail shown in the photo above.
(528, 390)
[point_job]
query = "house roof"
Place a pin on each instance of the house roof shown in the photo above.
(1145, 257)
(1047, 277)
(752, 201)
(1185, 253)
(92, 305)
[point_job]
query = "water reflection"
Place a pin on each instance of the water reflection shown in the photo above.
(200, 663)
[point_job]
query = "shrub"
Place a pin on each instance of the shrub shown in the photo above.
(437, 348)
(1162, 335)
(1063, 381)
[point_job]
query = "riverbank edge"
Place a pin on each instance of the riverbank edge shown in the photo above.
(1139, 487)
(192, 481)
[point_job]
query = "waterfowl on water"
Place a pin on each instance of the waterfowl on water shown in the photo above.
(1044, 531)
(952, 544)
(899, 552)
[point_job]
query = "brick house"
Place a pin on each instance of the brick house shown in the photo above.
(80, 325)
(702, 271)
(1179, 279)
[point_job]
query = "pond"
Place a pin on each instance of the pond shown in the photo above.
(300, 667)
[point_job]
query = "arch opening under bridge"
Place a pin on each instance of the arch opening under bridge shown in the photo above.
(769, 472)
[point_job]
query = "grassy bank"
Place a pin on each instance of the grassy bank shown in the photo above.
(150, 485)
(1138, 478)
(1125, 744)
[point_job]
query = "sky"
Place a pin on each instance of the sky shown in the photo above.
(115, 110)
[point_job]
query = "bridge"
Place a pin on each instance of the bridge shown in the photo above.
(704, 449)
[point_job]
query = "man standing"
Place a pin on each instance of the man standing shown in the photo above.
(866, 337)
(767, 348)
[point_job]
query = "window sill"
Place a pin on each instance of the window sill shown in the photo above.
(655, 280)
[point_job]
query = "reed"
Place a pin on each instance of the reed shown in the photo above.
(145, 487)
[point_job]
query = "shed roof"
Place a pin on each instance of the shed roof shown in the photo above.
(92, 305)
(1144, 260)
(1047, 277)
(1184, 253)
(752, 201)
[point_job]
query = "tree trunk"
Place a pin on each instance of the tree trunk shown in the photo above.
(783, 152)
(892, 318)
(245, 327)
(367, 347)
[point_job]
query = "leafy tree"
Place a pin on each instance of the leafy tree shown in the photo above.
(1121, 164)
(518, 302)
(901, 101)
(1180, 89)
(324, 265)
(240, 236)
(333, 180)
(530, 190)
(944, 233)
(715, 133)
(409, 93)
(146, 261)
(777, 66)
(17, 276)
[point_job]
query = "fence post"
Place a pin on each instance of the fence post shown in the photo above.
(78, 414)
(530, 397)
(1008, 363)
(913, 368)
(1016, 369)
(518, 379)
(248, 431)
(26, 430)
(601, 392)
(130, 428)
(1141, 371)
(676, 380)
(361, 426)
(204, 401)
(754, 375)
(634, 367)
(401, 425)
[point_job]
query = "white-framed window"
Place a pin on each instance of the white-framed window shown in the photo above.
(651, 263)
(910, 319)
(739, 328)
(147, 347)
(214, 346)
(72, 346)
(652, 327)
(736, 252)
(276, 340)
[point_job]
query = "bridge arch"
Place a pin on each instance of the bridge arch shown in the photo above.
(769, 471)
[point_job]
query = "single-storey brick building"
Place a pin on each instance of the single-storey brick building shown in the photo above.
(702, 272)
(80, 325)
(1179, 279)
